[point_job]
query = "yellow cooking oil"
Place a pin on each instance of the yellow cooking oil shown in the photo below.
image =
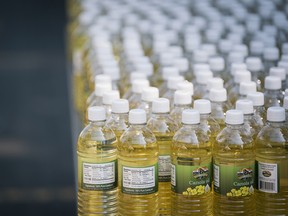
(234, 168)
(164, 128)
(191, 168)
(272, 163)
(138, 168)
(97, 167)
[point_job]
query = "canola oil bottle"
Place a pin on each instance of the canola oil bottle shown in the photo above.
(191, 168)
(234, 168)
(272, 165)
(164, 129)
(138, 168)
(97, 167)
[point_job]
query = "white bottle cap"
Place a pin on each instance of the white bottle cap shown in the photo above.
(137, 116)
(137, 75)
(200, 56)
(209, 48)
(257, 98)
(146, 68)
(173, 82)
(110, 96)
(160, 105)
(237, 66)
(245, 105)
(182, 64)
(202, 77)
(278, 72)
(113, 72)
(285, 103)
(186, 86)
(276, 114)
(182, 97)
(272, 83)
(283, 64)
(271, 53)
(139, 84)
(254, 64)
(101, 88)
(242, 48)
(102, 78)
(235, 57)
(160, 46)
(166, 58)
(190, 116)
(216, 83)
(218, 95)
(200, 66)
(234, 117)
(225, 46)
(169, 71)
(203, 106)
(149, 94)
(96, 113)
(217, 63)
(247, 87)
(256, 47)
(176, 51)
(120, 106)
(242, 76)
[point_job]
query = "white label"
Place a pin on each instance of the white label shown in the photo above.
(268, 177)
(216, 176)
(138, 177)
(99, 173)
(173, 175)
(164, 167)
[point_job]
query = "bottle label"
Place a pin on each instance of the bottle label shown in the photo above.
(268, 177)
(191, 180)
(140, 180)
(164, 168)
(99, 176)
(234, 181)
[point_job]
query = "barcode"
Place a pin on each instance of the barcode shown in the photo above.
(268, 186)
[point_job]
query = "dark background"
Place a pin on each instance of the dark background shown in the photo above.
(36, 159)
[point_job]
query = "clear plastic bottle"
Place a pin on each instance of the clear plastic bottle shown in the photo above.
(182, 101)
(97, 166)
(259, 110)
(234, 168)
(137, 88)
(255, 66)
(118, 120)
(201, 83)
(272, 165)
(127, 88)
(183, 66)
(271, 56)
(207, 123)
(172, 86)
(272, 92)
(213, 83)
(108, 98)
(245, 88)
(219, 105)
(164, 129)
(256, 48)
(148, 95)
(229, 81)
(138, 168)
(217, 66)
(191, 168)
(166, 73)
(281, 73)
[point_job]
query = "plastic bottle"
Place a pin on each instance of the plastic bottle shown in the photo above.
(245, 88)
(166, 73)
(213, 83)
(127, 88)
(201, 83)
(217, 66)
(137, 88)
(254, 65)
(256, 48)
(172, 86)
(271, 56)
(164, 129)
(281, 73)
(284, 64)
(118, 120)
(234, 168)
(272, 92)
(148, 95)
(183, 66)
(259, 110)
(97, 166)
(182, 101)
(191, 168)
(272, 165)
(219, 105)
(108, 98)
(138, 168)
(229, 80)
(207, 123)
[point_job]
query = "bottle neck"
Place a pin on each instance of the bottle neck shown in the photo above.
(275, 124)
(204, 117)
(160, 115)
(97, 123)
(272, 92)
(119, 115)
(190, 126)
(137, 126)
(234, 127)
(182, 106)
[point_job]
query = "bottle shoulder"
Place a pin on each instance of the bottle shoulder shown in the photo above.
(162, 125)
(271, 135)
(138, 135)
(189, 135)
(96, 133)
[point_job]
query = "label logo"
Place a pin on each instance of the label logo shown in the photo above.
(266, 173)
(245, 174)
(200, 173)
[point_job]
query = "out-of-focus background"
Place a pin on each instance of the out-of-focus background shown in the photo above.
(36, 159)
